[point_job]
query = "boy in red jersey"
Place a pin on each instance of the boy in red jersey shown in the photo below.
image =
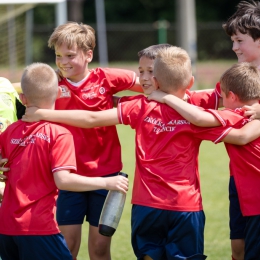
(206, 98)
(167, 213)
(28, 228)
(98, 150)
(239, 87)
(244, 29)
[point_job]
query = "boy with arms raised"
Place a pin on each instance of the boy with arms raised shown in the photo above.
(92, 90)
(29, 201)
(240, 85)
(167, 209)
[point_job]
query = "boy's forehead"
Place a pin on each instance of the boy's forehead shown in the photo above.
(66, 46)
(145, 61)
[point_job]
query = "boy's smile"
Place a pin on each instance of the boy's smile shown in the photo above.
(73, 62)
(246, 49)
(146, 75)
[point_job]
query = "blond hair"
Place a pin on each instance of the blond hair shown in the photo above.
(172, 68)
(72, 33)
(243, 79)
(39, 84)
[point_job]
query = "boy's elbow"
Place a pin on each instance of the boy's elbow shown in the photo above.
(199, 122)
(243, 140)
(60, 184)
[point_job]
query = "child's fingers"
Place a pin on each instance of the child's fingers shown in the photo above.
(252, 117)
(249, 113)
(3, 178)
(246, 108)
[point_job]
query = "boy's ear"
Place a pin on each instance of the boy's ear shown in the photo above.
(23, 98)
(89, 56)
(155, 82)
(191, 82)
(233, 96)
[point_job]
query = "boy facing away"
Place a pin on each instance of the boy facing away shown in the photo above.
(167, 211)
(28, 227)
(98, 150)
(240, 85)
(206, 99)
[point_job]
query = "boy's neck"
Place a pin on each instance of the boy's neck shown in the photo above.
(42, 106)
(179, 93)
(249, 102)
(78, 81)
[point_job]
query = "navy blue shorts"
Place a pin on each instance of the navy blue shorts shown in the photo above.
(164, 234)
(237, 222)
(48, 247)
(73, 207)
(252, 238)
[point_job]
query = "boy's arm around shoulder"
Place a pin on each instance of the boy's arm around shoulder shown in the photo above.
(78, 118)
(192, 113)
(244, 135)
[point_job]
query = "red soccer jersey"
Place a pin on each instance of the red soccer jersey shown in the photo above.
(35, 151)
(205, 99)
(244, 164)
(167, 147)
(98, 150)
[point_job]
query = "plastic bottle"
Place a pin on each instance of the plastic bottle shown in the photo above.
(112, 211)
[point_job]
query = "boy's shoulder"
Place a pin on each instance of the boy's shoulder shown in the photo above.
(25, 129)
(131, 98)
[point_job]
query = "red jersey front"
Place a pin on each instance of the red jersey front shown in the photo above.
(34, 151)
(244, 164)
(167, 147)
(98, 149)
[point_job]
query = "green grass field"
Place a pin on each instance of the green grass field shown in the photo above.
(214, 181)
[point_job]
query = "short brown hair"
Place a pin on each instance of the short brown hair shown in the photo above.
(152, 51)
(243, 79)
(172, 68)
(39, 84)
(72, 33)
(246, 20)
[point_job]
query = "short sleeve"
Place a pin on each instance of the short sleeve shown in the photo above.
(120, 79)
(63, 153)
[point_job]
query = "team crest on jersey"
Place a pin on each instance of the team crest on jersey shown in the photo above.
(102, 90)
(65, 92)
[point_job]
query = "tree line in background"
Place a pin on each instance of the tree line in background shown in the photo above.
(139, 11)
(131, 26)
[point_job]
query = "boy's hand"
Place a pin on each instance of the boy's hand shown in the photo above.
(31, 115)
(157, 95)
(1, 193)
(252, 112)
(3, 169)
(119, 183)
